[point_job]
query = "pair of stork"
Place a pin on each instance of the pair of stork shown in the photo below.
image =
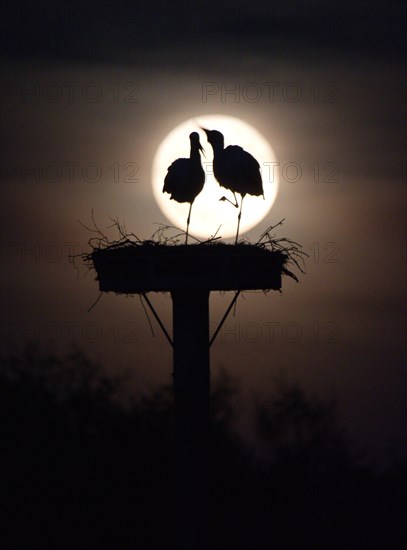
(233, 168)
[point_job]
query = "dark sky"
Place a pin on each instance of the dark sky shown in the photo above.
(101, 84)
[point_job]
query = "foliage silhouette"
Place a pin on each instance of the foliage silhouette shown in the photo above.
(82, 468)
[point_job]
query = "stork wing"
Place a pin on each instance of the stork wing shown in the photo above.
(244, 170)
(239, 156)
(176, 175)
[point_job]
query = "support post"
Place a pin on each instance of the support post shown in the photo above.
(191, 390)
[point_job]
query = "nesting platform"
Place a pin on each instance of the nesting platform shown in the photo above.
(146, 267)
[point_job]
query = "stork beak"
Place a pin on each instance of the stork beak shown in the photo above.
(205, 130)
(202, 150)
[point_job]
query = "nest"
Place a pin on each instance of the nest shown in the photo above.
(130, 265)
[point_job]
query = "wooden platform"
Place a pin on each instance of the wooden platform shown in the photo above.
(149, 266)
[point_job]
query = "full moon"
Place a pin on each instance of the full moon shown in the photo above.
(209, 213)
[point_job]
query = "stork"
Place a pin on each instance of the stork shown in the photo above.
(235, 169)
(185, 177)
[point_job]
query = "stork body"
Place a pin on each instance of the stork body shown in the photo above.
(185, 177)
(235, 169)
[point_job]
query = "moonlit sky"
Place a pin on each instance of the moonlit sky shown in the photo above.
(323, 82)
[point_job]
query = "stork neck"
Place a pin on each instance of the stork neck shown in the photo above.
(217, 147)
(195, 154)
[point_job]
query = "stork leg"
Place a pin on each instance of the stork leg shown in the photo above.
(238, 219)
(235, 204)
(188, 220)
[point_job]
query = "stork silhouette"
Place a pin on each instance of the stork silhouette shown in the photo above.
(235, 169)
(185, 177)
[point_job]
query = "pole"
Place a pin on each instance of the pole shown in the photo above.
(191, 390)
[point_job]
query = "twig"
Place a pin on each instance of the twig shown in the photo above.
(92, 306)
(146, 312)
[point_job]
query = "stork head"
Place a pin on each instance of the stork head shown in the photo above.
(194, 138)
(215, 138)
